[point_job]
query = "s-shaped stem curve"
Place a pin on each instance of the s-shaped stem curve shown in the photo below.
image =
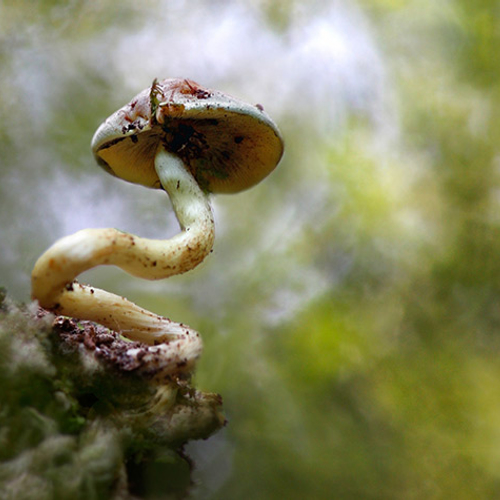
(53, 277)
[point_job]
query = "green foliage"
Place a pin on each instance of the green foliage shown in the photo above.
(385, 386)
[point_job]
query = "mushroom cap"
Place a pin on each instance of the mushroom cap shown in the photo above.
(227, 144)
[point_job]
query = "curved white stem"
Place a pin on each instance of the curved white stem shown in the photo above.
(53, 276)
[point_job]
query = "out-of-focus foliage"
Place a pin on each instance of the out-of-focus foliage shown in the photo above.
(350, 310)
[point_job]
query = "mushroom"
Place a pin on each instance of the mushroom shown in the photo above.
(189, 141)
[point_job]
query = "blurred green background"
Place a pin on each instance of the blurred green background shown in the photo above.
(350, 310)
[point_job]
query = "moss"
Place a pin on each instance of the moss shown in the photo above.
(74, 424)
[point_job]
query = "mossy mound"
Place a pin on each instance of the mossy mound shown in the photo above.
(75, 424)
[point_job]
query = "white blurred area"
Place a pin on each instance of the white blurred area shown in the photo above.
(310, 74)
(322, 64)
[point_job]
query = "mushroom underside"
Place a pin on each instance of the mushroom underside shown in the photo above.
(224, 159)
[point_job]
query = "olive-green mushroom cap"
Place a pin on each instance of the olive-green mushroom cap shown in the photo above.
(227, 144)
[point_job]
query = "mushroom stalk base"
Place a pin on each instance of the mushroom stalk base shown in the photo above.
(53, 277)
